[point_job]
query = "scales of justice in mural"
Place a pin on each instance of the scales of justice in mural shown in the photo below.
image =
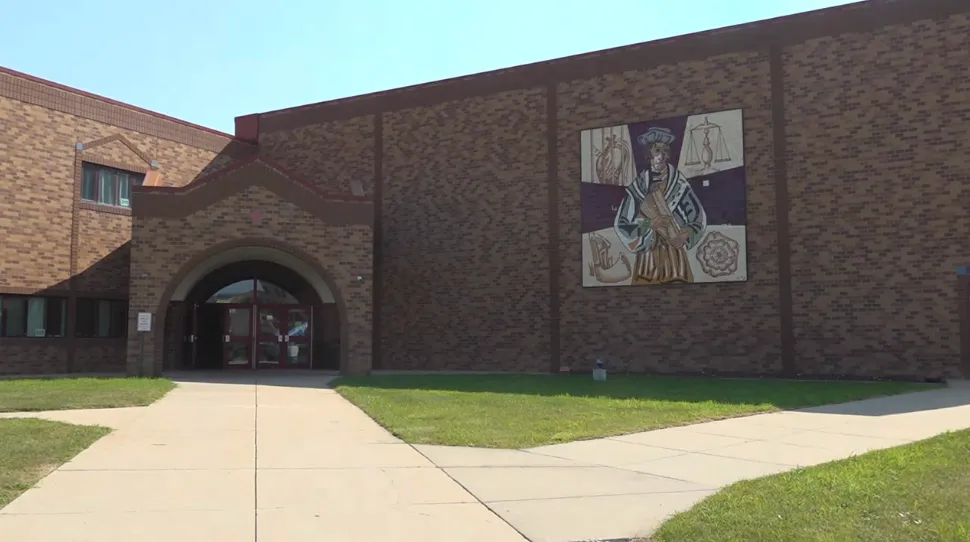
(663, 201)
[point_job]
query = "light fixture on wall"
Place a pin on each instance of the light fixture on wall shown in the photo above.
(360, 278)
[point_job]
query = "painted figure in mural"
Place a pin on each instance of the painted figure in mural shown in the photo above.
(660, 217)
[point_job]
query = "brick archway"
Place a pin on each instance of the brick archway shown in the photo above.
(186, 270)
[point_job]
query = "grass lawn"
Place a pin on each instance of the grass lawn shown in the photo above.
(914, 492)
(520, 411)
(31, 449)
(72, 393)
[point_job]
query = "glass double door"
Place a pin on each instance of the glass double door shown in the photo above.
(267, 336)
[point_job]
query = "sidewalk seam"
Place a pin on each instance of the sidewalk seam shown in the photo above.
(256, 460)
(481, 502)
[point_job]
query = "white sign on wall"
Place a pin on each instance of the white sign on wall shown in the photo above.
(144, 321)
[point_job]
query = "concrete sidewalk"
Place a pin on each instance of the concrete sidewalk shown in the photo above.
(282, 458)
(616, 488)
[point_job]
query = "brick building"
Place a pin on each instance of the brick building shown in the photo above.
(778, 198)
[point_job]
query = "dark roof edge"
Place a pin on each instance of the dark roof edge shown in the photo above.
(117, 103)
(859, 16)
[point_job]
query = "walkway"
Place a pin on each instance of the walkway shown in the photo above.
(277, 461)
(285, 459)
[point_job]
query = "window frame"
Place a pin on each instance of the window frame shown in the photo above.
(257, 292)
(88, 318)
(118, 178)
(52, 317)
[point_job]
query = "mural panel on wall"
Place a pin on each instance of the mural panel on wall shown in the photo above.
(663, 201)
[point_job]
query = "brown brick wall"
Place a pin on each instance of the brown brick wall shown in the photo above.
(32, 356)
(100, 356)
(464, 273)
(879, 158)
(38, 170)
(180, 164)
(116, 152)
(330, 155)
(727, 327)
(37, 173)
(163, 246)
(81, 105)
(465, 213)
(877, 127)
(103, 252)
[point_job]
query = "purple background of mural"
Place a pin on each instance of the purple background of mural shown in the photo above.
(724, 200)
(599, 205)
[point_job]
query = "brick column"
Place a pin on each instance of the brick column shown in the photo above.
(359, 335)
(175, 332)
(141, 346)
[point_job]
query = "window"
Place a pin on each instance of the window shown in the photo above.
(254, 291)
(267, 292)
(31, 316)
(237, 292)
(108, 186)
(101, 318)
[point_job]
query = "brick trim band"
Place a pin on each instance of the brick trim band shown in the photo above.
(50, 95)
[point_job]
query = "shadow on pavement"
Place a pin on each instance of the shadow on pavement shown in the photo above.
(938, 399)
(288, 379)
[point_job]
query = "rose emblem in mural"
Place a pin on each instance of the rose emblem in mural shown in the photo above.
(719, 255)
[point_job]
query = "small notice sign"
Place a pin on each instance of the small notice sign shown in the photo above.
(144, 321)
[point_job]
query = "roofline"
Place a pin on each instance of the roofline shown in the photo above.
(761, 35)
(124, 105)
(512, 70)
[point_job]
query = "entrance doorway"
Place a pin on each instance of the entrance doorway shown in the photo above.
(263, 326)
(255, 315)
(259, 336)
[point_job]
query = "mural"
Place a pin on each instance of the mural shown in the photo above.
(663, 201)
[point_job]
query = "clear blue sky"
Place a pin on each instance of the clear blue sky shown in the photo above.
(207, 61)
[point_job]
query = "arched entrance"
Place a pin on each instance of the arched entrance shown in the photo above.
(251, 210)
(254, 314)
(249, 304)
